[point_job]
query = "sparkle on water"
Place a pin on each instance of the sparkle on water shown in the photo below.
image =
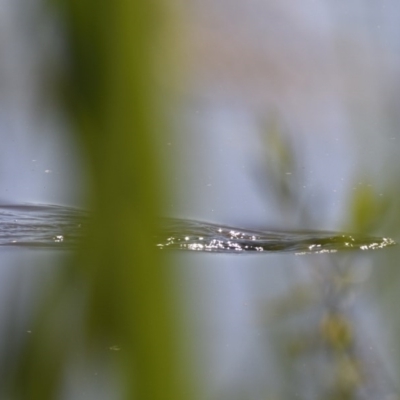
(57, 226)
(179, 234)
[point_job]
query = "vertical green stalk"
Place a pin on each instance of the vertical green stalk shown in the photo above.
(114, 102)
(114, 84)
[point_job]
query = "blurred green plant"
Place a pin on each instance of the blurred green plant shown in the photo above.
(115, 294)
(367, 209)
(320, 348)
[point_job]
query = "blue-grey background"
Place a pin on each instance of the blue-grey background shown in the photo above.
(325, 77)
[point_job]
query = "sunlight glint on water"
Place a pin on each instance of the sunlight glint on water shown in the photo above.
(57, 226)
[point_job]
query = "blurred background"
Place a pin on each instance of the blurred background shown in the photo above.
(255, 114)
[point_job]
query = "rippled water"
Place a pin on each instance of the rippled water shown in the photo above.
(56, 226)
(40, 225)
(199, 236)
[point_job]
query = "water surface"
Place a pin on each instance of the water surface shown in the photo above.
(57, 226)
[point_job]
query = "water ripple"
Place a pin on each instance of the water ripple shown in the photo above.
(29, 225)
(178, 234)
(61, 227)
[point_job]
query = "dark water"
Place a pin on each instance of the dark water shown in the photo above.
(40, 225)
(56, 226)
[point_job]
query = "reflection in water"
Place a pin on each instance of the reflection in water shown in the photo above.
(52, 226)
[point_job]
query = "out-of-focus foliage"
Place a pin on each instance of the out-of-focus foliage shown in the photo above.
(367, 210)
(112, 306)
(318, 343)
